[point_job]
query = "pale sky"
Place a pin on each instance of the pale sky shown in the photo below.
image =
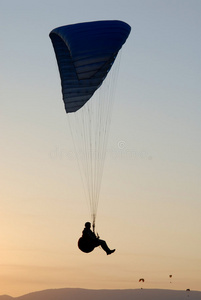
(150, 200)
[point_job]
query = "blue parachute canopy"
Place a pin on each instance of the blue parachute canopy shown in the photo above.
(85, 53)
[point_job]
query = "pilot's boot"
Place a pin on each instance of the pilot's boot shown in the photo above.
(111, 251)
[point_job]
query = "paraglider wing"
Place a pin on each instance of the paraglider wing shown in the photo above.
(85, 53)
(141, 279)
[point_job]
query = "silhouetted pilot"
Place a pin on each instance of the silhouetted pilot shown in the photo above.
(89, 236)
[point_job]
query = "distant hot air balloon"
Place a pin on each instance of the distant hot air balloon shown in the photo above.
(170, 276)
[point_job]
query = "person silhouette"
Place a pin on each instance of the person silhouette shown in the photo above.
(94, 240)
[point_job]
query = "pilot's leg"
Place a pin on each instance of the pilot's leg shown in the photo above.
(105, 247)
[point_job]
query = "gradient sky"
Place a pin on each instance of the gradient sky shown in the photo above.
(151, 196)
